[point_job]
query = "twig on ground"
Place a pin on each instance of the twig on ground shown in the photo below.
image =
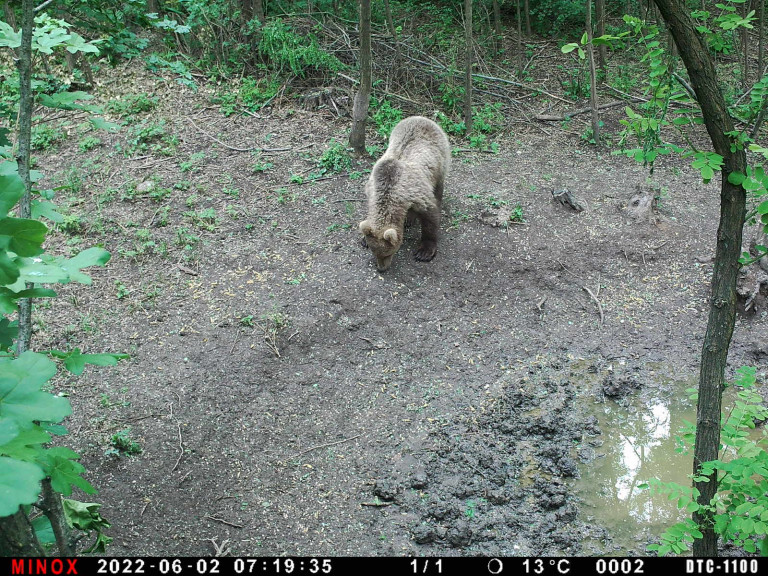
(215, 519)
(599, 306)
(181, 448)
(328, 444)
(227, 146)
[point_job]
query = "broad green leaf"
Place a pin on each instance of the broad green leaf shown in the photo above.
(9, 331)
(762, 208)
(90, 257)
(8, 36)
(43, 530)
(11, 187)
(101, 124)
(8, 297)
(569, 48)
(20, 396)
(85, 516)
(68, 101)
(42, 270)
(75, 361)
(736, 178)
(9, 269)
(45, 209)
(61, 465)
(27, 444)
(9, 429)
(19, 484)
(26, 235)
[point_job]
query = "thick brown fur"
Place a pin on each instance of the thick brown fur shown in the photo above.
(407, 182)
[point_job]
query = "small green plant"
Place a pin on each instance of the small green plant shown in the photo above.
(121, 289)
(384, 116)
(335, 159)
(122, 443)
(261, 166)
(205, 219)
(88, 143)
(739, 510)
(45, 137)
(516, 214)
(247, 321)
(129, 106)
(194, 163)
(151, 137)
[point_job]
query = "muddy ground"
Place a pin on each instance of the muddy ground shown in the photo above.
(289, 399)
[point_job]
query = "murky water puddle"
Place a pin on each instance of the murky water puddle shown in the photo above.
(639, 444)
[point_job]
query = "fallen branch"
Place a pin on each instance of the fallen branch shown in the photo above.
(228, 147)
(550, 118)
(326, 445)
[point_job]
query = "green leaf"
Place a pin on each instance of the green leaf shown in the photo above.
(61, 465)
(736, 178)
(9, 429)
(101, 124)
(762, 208)
(27, 444)
(45, 209)
(11, 186)
(9, 331)
(569, 48)
(20, 395)
(42, 270)
(19, 484)
(43, 530)
(90, 257)
(75, 361)
(67, 101)
(85, 516)
(8, 36)
(26, 235)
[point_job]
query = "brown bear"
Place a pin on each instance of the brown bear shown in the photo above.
(407, 183)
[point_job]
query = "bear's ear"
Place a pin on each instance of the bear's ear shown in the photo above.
(365, 227)
(391, 235)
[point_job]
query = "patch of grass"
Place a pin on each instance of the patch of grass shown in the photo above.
(194, 163)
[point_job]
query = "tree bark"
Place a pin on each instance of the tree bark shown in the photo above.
(496, 26)
(527, 13)
(392, 31)
(592, 77)
(722, 311)
(602, 50)
(468, 65)
(760, 35)
(16, 533)
(17, 537)
(363, 95)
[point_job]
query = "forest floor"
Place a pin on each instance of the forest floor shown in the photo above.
(288, 399)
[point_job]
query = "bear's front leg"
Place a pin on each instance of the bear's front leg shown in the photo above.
(430, 229)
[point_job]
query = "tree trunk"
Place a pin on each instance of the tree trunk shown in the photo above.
(468, 65)
(760, 34)
(17, 537)
(16, 533)
(602, 50)
(393, 32)
(592, 77)
(363, 96)
(496, 26)
(259, 10)
(527, 13)
(519, 40)
(722, 311)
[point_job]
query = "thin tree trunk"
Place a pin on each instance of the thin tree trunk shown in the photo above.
(393, 32)
(496, 26)
(527, 13)
(54, 511)
(363, 96)
(743, 35)
(602, 50)
(722, 310)
(760, 36)
(259, 10)
(468, 65)
(519, 40)
(592, 77)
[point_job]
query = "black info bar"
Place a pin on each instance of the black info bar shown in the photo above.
(395, 566)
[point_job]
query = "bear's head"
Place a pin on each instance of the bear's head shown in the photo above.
(383, 243)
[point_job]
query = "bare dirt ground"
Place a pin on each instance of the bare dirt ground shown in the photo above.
(289, 399)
